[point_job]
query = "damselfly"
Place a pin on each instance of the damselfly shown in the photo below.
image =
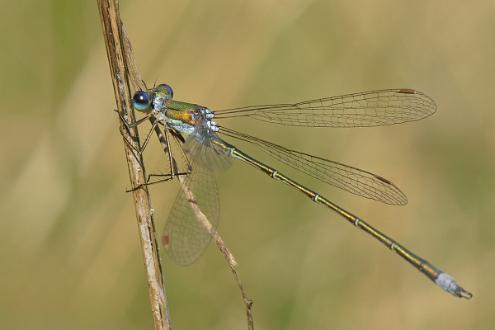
(204, 144)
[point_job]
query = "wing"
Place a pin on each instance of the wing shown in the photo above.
(348, 178)
(374, 108)
(184, 238)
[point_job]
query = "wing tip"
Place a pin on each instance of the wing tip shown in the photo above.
(431, 106)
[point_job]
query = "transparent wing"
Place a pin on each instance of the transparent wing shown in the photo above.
(348, 178)
(374, 108)
(204, 152)
(184, 238)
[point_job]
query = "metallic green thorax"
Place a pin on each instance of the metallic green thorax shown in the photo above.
(186, 117)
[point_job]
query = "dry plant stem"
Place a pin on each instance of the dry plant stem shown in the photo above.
(203, 220)
(116, 46)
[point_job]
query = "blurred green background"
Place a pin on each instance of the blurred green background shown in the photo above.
(69, 247)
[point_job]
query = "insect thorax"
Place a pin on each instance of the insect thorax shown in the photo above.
(195, 120)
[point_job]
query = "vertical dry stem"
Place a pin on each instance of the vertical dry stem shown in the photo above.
(117, 52)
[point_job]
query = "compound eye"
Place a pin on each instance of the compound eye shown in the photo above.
(167, 89)
(141, 101)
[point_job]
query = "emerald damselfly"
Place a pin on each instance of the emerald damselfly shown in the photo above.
(204, 144)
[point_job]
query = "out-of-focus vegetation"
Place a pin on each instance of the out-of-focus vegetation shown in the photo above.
(69, 248)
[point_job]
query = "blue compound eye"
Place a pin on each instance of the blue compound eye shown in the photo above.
(141, 101)
(167, 89)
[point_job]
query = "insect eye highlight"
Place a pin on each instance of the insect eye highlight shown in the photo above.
(141, 101)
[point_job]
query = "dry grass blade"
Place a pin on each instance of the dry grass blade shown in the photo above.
(118, 54)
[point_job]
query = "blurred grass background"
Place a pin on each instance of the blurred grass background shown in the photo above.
(69, 248)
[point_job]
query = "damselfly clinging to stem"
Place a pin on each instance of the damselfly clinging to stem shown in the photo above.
(204, 144)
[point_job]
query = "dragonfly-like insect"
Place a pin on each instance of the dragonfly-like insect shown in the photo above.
(204, 143)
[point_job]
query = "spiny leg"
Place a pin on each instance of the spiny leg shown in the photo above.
(128, 126)
(135, 151)
(148, 136)
(138, 151)
(164, 138)
(166, 177)
(132, 125)
(171, 159)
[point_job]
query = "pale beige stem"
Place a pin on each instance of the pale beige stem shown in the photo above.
(118, 53)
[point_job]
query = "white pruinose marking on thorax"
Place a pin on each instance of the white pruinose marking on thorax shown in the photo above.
(208, 119)
(204, 127)
(447, 282)
(158, 102)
